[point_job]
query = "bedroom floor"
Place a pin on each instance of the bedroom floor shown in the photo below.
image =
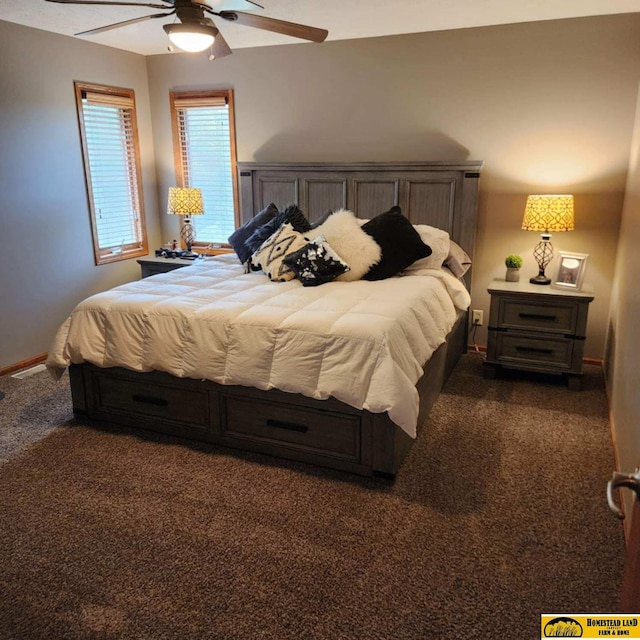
(498, 515)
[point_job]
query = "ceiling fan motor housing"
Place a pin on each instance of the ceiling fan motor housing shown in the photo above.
(188, 11)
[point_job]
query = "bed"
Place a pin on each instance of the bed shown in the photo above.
(307, 404)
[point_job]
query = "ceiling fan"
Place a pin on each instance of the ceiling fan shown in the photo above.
(196, 31)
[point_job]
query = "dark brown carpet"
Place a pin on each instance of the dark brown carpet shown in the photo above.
(497, 515)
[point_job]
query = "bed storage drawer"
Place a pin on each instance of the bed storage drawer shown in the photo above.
(173, 409)
(303, 429)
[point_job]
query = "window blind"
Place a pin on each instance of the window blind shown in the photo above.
(111, 157)
(205, 150)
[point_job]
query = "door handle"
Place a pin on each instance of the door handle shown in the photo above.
(618, 481)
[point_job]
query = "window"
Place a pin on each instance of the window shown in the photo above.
(205, 158)
(109, 136)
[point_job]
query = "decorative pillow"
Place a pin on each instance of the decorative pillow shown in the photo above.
(321, 220)
(438, 240)
(270, 255)
(458, 260)
(291, 214)
(316, 263)
(400, 242)
(238, 238)
(357, 248)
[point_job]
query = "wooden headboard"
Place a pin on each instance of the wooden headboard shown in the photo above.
(441, 194)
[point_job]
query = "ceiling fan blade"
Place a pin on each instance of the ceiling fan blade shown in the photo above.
(124, 23)
(220, 48)
(123, 4)
(279, 26)
(229, 5)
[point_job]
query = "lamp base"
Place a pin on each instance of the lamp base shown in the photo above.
(540, 279)
(542, 253)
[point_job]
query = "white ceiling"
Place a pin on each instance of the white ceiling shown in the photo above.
(345, 19)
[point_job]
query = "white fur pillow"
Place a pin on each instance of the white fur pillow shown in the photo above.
(356, 247)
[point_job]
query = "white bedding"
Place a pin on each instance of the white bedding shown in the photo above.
(362, 342)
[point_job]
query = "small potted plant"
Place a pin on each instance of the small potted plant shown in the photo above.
(513, 264)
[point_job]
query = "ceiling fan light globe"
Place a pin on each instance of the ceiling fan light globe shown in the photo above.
(192, 42)
(191, 37)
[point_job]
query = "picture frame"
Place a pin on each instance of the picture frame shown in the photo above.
(571, 269)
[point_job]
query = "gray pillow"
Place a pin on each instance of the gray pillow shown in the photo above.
(240, 236)
(458, 261)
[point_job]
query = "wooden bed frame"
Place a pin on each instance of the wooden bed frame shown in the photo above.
(328, 432)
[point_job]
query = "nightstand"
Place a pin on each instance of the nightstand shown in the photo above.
(152, 266)
(537, 328)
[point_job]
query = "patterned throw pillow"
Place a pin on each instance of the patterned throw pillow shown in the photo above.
(271, 253)
(316, 263)
(291, 214)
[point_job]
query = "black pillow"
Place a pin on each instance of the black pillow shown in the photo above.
(400, 243)
(291, 214)
(238, 238)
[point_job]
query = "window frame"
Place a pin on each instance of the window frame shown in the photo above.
(204, 246)
(131, 250)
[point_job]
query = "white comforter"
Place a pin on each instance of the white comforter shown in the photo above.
(363, 343)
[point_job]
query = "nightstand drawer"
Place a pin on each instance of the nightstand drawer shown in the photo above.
(551, 318)
(532, 350)
(153, 269)
(153, 266)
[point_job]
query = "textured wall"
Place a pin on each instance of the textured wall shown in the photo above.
(623, 343)
(46, 256)
(548, 106)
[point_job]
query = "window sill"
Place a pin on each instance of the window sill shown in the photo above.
(121, 255)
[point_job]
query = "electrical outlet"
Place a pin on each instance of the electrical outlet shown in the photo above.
(476, 317)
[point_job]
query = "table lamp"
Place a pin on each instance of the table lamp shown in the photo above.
(547, 213)
(186, 202)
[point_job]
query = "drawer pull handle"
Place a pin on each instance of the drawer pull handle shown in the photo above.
(291, 426)
(535, 350)
(160, 402)
(537, 316)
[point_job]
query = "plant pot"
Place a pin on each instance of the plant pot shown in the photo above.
(513, 275)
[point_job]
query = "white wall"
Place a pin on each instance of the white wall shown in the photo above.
(622, 364)
(46, 251)
(548, 106)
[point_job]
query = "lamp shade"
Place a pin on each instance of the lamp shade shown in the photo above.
(548, 213)
(185, 201)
